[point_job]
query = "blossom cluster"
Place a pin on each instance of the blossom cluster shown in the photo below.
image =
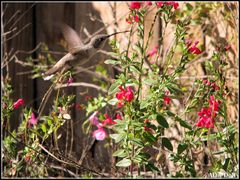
(124, 95)
(137, 5)
(208, 114)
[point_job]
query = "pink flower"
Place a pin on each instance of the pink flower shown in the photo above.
(118, 116)
(166, 98)
(153, 51)
(159, 4)
(135, 5)
(149, 3)
(70, 80)
(194, 49)
(93, 118)
(32, 120)
(18, 103)
(108, 120)
(100, 134)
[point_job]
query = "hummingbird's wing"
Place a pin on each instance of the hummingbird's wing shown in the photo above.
(70, 36)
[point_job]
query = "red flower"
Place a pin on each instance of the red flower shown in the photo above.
(147, 129)
(87, 98)
(166, 98)
(136, 18)
(132, 19)
(172, 3)
(108, 120)
(129, 95)
(120, 95)
(213, 104)
(120, 104)
(207, 115)
(146, 121)
(159, 4)
(78, 106)
(153, 51)
(118, 116)
(206, 122)
(194, 49)
(135, 5)
(18, 103)
(149, 3)
(215, 87)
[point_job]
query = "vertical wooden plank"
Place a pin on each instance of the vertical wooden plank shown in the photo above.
(88, 17)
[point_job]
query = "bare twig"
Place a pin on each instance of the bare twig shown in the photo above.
(95, 74)
(81, 84)
(14, 35)
(25, 12)
(63, 169)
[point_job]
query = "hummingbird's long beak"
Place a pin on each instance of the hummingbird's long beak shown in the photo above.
(117, 33)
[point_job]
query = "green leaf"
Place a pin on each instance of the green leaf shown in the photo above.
(43, 127)
(149, 82)
(138, 142)
(124, 163)
(120, 153)
(181, 147)
(225, 166)
(162, 121)
(167, 143)
(183, 123)
(113, 88)
(111, 61)
(149, 137)
(118, 137)
(135, 69)
(113, 101)
(152, 167)
(189, 7)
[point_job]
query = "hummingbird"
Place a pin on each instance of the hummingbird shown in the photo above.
(78, 53)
